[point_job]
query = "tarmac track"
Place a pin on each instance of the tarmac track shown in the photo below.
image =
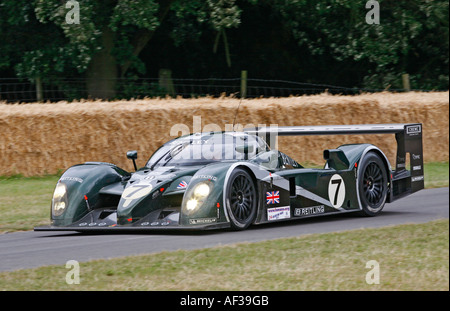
(22, 250)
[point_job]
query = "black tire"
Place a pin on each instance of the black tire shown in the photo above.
(372, 184)
(241, 199)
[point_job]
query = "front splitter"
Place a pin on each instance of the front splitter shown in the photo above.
(136, 229)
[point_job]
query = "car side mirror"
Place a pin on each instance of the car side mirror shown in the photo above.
(133, 156)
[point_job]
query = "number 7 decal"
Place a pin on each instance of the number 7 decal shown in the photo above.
(135, 192)
(336, 191)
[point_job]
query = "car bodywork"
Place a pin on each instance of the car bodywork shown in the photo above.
(183, 185)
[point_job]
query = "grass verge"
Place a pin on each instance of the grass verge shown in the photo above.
(436, 174)
(25, 202)
(410, 257)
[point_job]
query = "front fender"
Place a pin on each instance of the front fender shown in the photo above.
(212, 208)
(85, 181)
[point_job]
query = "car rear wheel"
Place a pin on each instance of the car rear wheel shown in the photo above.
(241, 199)
(372, 184)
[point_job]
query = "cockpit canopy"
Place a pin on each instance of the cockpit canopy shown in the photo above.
(205, 148)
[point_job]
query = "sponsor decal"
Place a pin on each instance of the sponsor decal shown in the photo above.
(416, 156)
(417, 168)
(182, 185)
(417, 178)
(401, 162)
(67, 178)
(198, 221)
(320, 209)
(273, 197)
(210, 177)
(155, 194)
(414, 130)
(277, 213)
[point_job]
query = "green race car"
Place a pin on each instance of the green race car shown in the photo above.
(235, 179)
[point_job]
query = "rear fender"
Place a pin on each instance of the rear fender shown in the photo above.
(355, 152)
(360, 155)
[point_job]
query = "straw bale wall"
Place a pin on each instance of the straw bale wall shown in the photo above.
(37, 139)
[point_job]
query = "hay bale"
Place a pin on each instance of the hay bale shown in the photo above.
(41, 139)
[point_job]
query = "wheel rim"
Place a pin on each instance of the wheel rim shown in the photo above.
(242, 198)
(373, 184)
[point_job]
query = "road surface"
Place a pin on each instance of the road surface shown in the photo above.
(31, 249)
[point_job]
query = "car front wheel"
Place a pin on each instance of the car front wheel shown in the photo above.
(241, 199)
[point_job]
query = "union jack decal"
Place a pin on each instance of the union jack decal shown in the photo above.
(273, 197)
(182, 185)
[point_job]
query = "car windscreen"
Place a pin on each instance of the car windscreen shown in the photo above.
(205, 148)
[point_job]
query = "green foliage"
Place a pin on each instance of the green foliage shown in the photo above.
(407, 29)
(139, 13)
(76, 45)
(41, 63)
(82, 39)
(187, 18)
(223, 14)
(412, 37)
(133, 88)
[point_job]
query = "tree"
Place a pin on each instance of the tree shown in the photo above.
(411, 36)
(109, 37)
(323, 42)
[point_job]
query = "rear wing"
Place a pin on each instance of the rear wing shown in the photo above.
(409, 140)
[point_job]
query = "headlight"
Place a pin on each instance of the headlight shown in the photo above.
(195, 197)
(59, 201)
(191, 204)
(201, 190)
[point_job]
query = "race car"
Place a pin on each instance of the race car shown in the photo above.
(236, 179)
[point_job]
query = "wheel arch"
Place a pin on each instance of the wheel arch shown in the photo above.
(257, 188)
(387, 166)
(253, 175)
(376, 150)
(250, 172)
